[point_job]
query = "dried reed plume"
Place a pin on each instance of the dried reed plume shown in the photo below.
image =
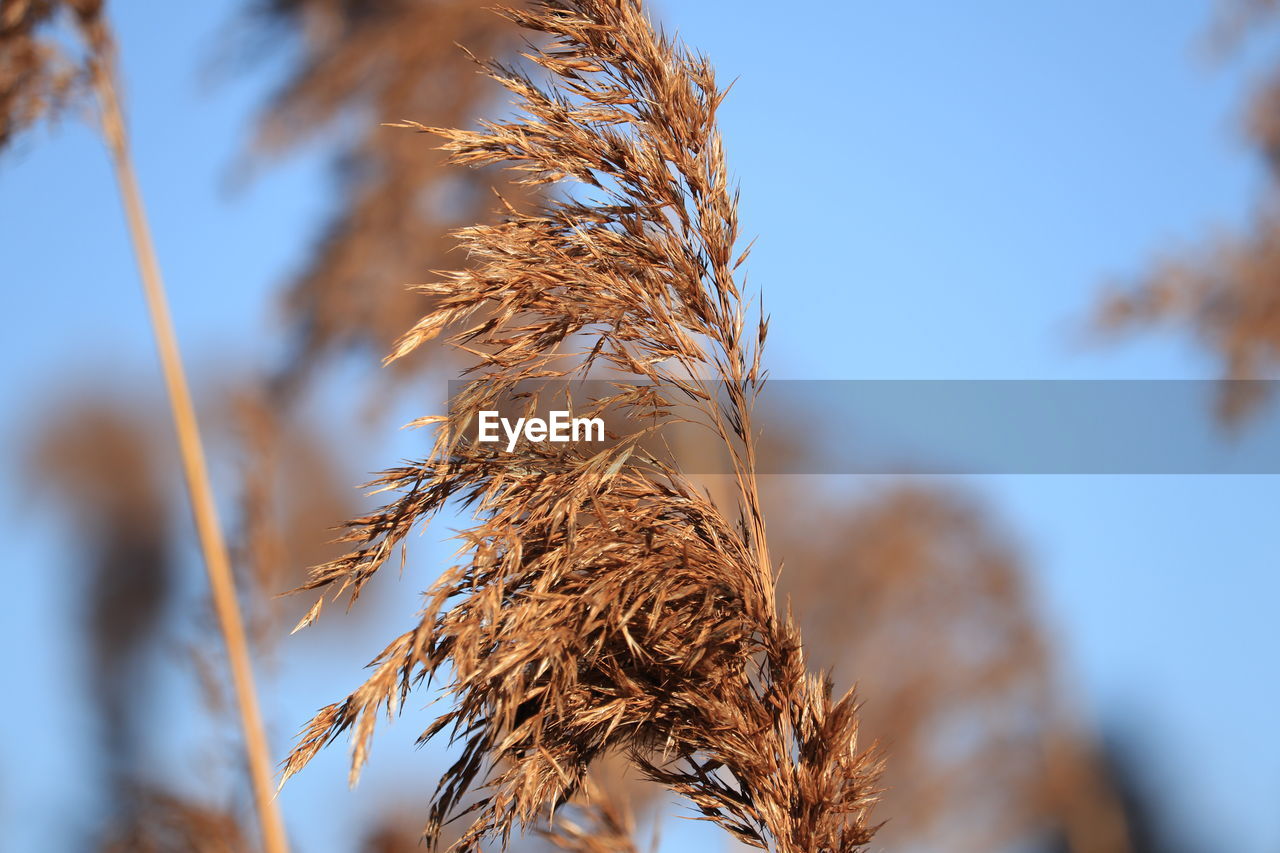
(602, 604)
(21, 26)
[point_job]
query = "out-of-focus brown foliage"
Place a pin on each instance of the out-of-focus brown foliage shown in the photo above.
(1150, 831)
(104, 460)
(393, 836)
(362, 64)
(99, 458)
(602, 604)
(601, 818)
(291, 498)
(598, 821)
(1235, 18)
(162, 822)
(913, 594)
(30, 82)
(1226, 294)
(38, 78)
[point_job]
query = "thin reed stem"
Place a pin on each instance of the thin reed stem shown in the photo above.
(221, 581)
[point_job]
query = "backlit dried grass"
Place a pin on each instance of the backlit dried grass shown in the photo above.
(602, 604)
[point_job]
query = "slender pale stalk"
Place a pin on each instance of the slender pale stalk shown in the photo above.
(221, 581)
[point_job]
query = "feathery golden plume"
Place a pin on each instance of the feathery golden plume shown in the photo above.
(603, 604)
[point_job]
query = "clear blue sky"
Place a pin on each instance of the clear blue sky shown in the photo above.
(939, 189)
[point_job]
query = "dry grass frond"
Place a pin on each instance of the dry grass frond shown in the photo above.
(602, 604)
(379, 62)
